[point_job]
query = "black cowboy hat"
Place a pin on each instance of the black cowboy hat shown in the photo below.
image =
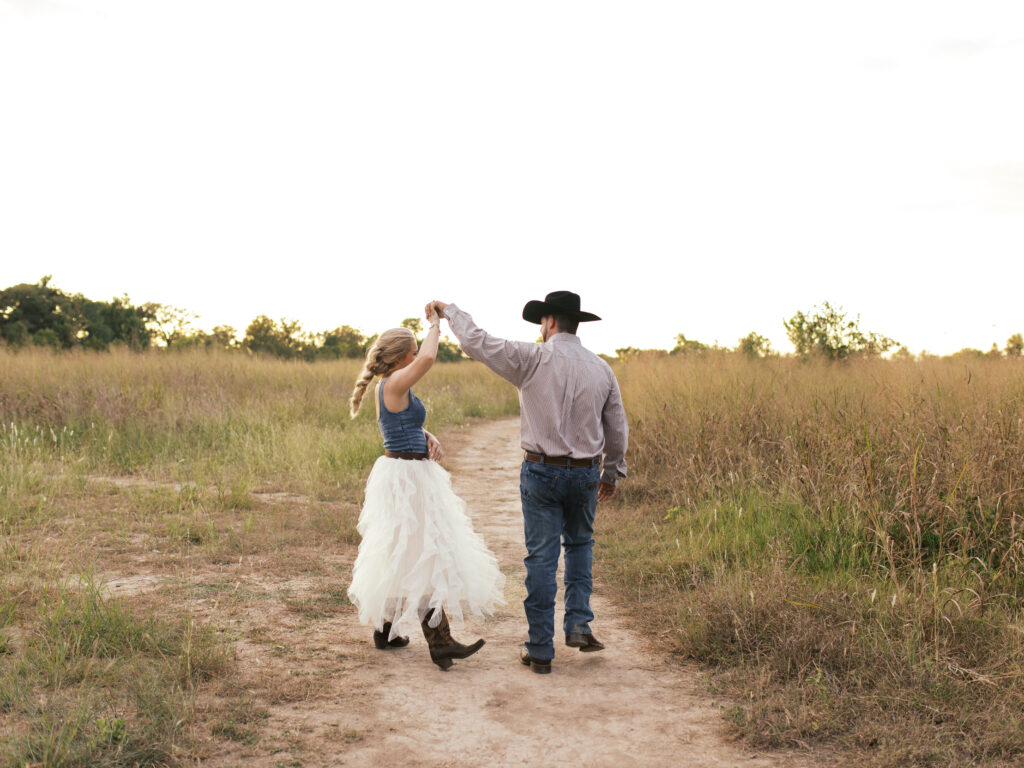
(565, 303)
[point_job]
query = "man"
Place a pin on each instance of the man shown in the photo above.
(571, 413)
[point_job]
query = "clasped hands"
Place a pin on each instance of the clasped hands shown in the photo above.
(434, 311)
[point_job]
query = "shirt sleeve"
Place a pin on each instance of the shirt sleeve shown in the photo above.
(514, 361)
(616, 435)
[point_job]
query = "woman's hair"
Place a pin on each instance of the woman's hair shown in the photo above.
(387, 351)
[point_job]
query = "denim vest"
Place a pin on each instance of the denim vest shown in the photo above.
(403, 431)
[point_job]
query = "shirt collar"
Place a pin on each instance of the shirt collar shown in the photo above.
(568, 338)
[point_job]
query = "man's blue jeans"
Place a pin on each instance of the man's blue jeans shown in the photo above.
(558, 507)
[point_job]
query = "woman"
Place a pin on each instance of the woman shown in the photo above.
(418, 551)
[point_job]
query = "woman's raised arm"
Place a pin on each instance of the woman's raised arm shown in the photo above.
(402, 380)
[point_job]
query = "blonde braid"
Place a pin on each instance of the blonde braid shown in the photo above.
(365, 377)
(387, 351)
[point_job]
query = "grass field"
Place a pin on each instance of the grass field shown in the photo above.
(840, 545)
(189, 466)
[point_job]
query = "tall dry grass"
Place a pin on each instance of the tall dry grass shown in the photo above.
(842, 541)
(207, 418)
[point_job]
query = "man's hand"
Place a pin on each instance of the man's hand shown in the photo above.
(606, 491)
(439, 307)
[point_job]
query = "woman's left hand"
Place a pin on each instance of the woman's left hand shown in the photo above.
(434, 449)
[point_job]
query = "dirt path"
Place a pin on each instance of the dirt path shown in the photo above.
(309, 689)
(619, 707)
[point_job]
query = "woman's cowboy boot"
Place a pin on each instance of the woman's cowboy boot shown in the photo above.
(380, 638)
(443, 648)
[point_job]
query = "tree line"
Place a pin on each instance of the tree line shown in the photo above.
(826, 332)
(42, 315)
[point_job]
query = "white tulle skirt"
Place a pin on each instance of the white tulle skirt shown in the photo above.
(419, 550)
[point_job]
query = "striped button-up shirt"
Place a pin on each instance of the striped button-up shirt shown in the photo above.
(569, 399)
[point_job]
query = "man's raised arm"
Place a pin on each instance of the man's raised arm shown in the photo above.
(514, 361)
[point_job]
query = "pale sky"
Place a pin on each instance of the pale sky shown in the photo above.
(706, 168)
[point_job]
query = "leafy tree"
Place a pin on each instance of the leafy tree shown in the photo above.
(685, 346)
(968, 352)
(755, 345)
(449, 352)
(123, 322)
(827, 332)
(46, 337)
(344, 341)
(266, 337)
(26, 309)
(1015, 345)
(15, 334)
(222, 336)
(262, 335)
(92, 330)
(171, 325)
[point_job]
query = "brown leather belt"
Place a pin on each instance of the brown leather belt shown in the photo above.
(406, 455)
(562, 461)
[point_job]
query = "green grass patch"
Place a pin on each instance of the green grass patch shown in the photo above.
(91, 682)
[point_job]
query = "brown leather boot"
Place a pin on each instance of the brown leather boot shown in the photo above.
(444, 648)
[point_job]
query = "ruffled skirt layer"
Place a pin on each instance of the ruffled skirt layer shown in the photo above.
(419, 550)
